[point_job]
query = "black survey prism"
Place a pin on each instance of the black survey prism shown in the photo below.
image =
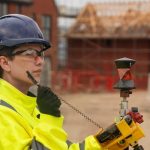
(123, 66)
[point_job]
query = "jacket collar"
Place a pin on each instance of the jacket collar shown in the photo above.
(16, 98)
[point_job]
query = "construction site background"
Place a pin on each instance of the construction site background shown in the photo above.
(99, 34)
(91, 91)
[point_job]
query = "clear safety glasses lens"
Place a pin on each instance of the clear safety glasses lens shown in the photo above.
(30, 52)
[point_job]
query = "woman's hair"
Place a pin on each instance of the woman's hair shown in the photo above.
(1, 72)
(5, 52)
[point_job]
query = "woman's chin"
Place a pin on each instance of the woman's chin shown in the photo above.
(37, 74)
(37, 78)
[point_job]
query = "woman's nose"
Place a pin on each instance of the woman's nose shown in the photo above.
(39, 60)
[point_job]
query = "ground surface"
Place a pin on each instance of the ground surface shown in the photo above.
(102, 108)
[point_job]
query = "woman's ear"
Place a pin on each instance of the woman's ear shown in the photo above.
(4, 63)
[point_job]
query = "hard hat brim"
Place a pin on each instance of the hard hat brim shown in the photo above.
(17, 42)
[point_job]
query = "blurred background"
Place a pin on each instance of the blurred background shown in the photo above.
(86, 37)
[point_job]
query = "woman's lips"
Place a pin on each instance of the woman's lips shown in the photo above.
(37, 72)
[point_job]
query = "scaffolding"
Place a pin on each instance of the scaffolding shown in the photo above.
(100, 34)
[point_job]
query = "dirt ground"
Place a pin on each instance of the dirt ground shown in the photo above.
(103, 108)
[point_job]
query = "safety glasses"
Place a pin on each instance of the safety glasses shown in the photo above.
(30, 53)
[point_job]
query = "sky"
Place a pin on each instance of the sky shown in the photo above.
(81, 3)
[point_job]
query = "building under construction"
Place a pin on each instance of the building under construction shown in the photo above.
(102, 33)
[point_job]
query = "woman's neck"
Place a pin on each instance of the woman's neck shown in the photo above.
(20, 85)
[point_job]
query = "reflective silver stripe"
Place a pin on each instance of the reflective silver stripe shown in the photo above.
(3, 103)
(37, 146)
(82, 145)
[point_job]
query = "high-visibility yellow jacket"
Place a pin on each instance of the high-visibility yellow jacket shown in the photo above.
(22, 125)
